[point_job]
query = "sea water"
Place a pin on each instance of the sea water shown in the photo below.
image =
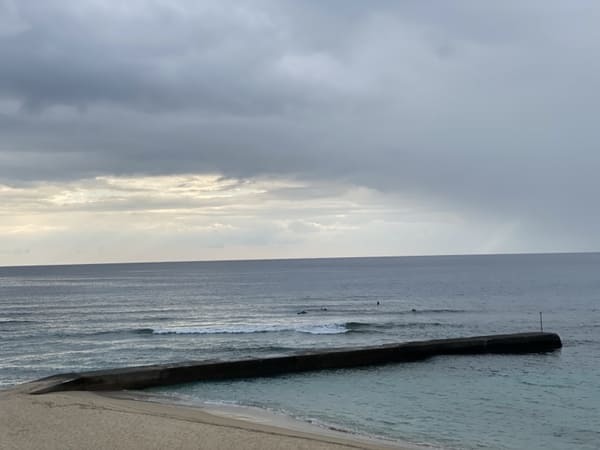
(57, 319)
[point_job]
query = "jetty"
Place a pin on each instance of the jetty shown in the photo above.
(192, 371)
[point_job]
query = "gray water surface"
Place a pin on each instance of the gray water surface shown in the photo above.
(71, 318)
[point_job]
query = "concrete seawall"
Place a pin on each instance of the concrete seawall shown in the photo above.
(168, 374)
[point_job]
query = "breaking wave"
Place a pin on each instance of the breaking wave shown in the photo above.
(331, 328)
(323, 328)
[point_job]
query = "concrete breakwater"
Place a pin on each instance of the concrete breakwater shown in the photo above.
(169, 374)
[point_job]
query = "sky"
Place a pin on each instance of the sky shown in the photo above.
(161, 130)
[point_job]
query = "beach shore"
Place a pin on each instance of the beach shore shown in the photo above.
(87, 420)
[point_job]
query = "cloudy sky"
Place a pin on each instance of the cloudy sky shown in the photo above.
(190, 130)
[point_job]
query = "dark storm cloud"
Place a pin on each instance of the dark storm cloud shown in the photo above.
(150, 57)
(491, 107)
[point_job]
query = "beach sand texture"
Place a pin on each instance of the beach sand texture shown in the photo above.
(87, 420)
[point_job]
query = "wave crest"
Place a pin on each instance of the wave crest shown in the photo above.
(330, 328)
(322, 328)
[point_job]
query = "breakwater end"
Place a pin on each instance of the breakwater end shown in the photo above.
(168, 374)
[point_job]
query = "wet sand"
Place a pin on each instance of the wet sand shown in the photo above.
(88, 420)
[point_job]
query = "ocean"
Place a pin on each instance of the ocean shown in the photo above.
(56, 319)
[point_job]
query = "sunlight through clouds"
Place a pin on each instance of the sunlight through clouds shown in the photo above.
(198, 216)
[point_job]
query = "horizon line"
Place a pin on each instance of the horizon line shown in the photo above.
(308, 258)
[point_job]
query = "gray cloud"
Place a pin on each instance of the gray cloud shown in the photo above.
(484, 108)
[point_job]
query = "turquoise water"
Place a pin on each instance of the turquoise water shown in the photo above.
(66, 318)
(473, 402)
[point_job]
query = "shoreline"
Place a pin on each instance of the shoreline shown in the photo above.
(121, 420)
(275, 418)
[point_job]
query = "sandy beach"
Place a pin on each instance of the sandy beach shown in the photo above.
(87, 420)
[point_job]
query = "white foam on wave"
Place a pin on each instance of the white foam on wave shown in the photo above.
(331, 328)
(10, 320)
